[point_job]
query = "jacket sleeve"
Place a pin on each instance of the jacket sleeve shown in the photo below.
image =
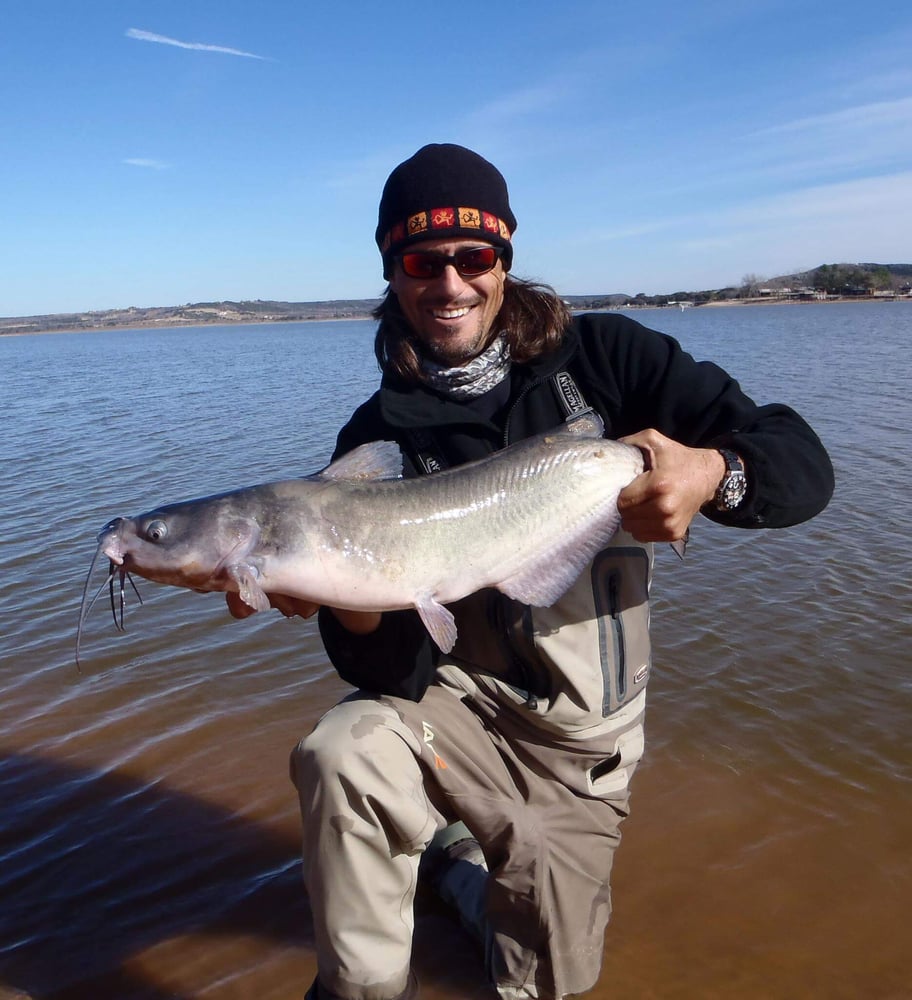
(648, 380)
(397, 659)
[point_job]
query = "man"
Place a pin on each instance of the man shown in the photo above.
(512, 754)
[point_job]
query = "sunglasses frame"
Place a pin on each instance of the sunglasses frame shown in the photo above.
(441, 260)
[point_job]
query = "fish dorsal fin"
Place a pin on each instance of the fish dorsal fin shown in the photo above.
(587, 425)
(376, 460)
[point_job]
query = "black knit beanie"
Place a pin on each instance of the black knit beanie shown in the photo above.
(444, 190)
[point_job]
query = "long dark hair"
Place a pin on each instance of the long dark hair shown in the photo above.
(532, 319)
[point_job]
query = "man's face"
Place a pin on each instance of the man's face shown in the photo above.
(451, 316)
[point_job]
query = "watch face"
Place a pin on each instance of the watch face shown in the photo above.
(733, 491)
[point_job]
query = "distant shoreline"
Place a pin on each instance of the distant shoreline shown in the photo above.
(186, 323)
(854, 299)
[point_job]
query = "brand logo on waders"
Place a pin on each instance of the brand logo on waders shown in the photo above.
(439, 762)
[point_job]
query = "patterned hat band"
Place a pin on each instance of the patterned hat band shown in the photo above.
(457, 220)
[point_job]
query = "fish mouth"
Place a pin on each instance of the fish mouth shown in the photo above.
(109, 546)
(110, 541)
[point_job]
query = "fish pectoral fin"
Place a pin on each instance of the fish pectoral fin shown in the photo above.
(249, 589)
(439, 622)
(545, 580)
(541, 586)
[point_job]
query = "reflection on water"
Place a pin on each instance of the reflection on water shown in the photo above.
(148, 832)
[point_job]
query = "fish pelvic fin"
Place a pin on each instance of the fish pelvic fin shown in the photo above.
(439, 622)
(376, 460)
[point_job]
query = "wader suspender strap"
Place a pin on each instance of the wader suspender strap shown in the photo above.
(429, 457)
(571, 400)
(425, 451)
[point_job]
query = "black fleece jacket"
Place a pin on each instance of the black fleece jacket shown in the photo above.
(634, 378)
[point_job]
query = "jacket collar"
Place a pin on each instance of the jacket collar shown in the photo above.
(406, 405)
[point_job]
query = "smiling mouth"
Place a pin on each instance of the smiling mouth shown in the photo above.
(450, 313)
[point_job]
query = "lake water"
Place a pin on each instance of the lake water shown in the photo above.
(148, 830)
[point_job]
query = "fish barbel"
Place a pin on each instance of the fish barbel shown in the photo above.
(525, 520)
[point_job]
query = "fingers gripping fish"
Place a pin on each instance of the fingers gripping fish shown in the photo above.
(525, 520)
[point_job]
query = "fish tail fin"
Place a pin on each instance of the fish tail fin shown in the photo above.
(679, 546)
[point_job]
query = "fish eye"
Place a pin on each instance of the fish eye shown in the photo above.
(156, 531)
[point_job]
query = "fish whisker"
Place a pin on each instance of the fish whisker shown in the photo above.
(107, 580)
(135, 589)
(86, 605)
(118, 604)
(118, 622)
(117, 610)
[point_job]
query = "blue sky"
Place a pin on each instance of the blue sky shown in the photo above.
(170, 152)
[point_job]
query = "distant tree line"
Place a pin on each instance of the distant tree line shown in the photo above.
(850, 279)
(834, 279)
(642, 299)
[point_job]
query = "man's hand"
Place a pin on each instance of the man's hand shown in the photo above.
(659, 505)
(359, 622)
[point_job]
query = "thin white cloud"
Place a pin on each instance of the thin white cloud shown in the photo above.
(867, 219)
(881, 114)
(138, 161)
(873, 140)
(863, 217)
(522, 102)
(148, 36)
(882, 200)
(636, 230)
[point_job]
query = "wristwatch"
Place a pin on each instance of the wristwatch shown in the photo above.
(733, 487)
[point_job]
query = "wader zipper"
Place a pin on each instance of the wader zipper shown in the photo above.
(620, 650)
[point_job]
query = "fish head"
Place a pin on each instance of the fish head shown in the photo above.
(184, 545)
(198, 545)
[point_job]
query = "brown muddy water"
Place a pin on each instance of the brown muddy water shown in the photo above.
(148, 830)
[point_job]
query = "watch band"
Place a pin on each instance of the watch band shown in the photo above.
(733, 487)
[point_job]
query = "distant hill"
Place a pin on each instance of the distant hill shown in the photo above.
(831, 280)
(192, 314)
(895, 277)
